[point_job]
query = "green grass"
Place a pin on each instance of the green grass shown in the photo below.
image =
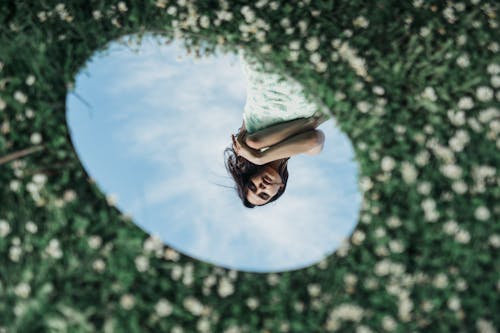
(436, 271)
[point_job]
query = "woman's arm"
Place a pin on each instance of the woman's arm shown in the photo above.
(274, 134)
(308, 142)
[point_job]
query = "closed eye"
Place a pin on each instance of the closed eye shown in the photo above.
(253, 188)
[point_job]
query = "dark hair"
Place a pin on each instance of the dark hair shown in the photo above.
(242, 170)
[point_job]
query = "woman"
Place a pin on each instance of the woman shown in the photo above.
(278, 122)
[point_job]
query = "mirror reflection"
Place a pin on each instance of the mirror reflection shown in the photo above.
(278, 123)
(185, 146)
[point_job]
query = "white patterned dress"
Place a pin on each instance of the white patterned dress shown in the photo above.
(269, 101)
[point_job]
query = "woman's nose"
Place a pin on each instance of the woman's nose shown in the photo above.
(262, 185)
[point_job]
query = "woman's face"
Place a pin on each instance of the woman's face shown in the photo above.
(263, 186)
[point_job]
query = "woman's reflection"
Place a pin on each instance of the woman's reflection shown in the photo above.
(278, 123)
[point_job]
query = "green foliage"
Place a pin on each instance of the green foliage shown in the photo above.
(436, 270)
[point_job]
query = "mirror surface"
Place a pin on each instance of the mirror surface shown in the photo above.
(150, 124)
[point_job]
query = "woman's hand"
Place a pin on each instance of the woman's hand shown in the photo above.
(243, 150)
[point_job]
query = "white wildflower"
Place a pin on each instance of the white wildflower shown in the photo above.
(209, 281)
(459, 186)
(388, 323)
(424, 32)
(69, 195)
(494, 240)
(454, 303)
(493, 46)
(452, 171)
(449, 15)
(204, 21)
(53, 249)
(15, 252)
(485, 326)
(142, 263)
(350, 279)
(97, 14)
(127, 301)
(193, 305)
(153, 244)
(484, 93)
(358, 237)
(20, 97)
(31, 227)
(393, 222)
(14, 185)
(427, 306)
(429, 93)
(303, 26)
(94, 241)
(462, 236)
(4, 228)
(422, 158)
(387, 163)
(226, 288)
(293, 55)
(22, 290)
(30, 80)
(396, 246)
(382, 267)
(418, 3)
(312, 43)
(461, 284)
(440, 281)
(363, 106)
(465, 103)
(252, 303)
(363, 329)
(347, 311)
(315, 58)
(36, 138)
(176, 272)
(380, 232)
(163, 308)
(161, 3)
(294, 45)
(361, 22)
(313, 289)
(463, 61)
(172, 10)
(39, 179)
(321, 67)
(493, 69)
(177, 329)
(99, 265)
(461, 40)
(343, 248)
(122, 6)
(266, 48)
(171, 254)
(273, 279)
(378, 90)
(285, 22)
(482, 213)
(409, 172)
(405, 308)
(188, 277)
(203, 325)
(451, 227)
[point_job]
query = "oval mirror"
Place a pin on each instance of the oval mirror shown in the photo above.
(150, 124)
